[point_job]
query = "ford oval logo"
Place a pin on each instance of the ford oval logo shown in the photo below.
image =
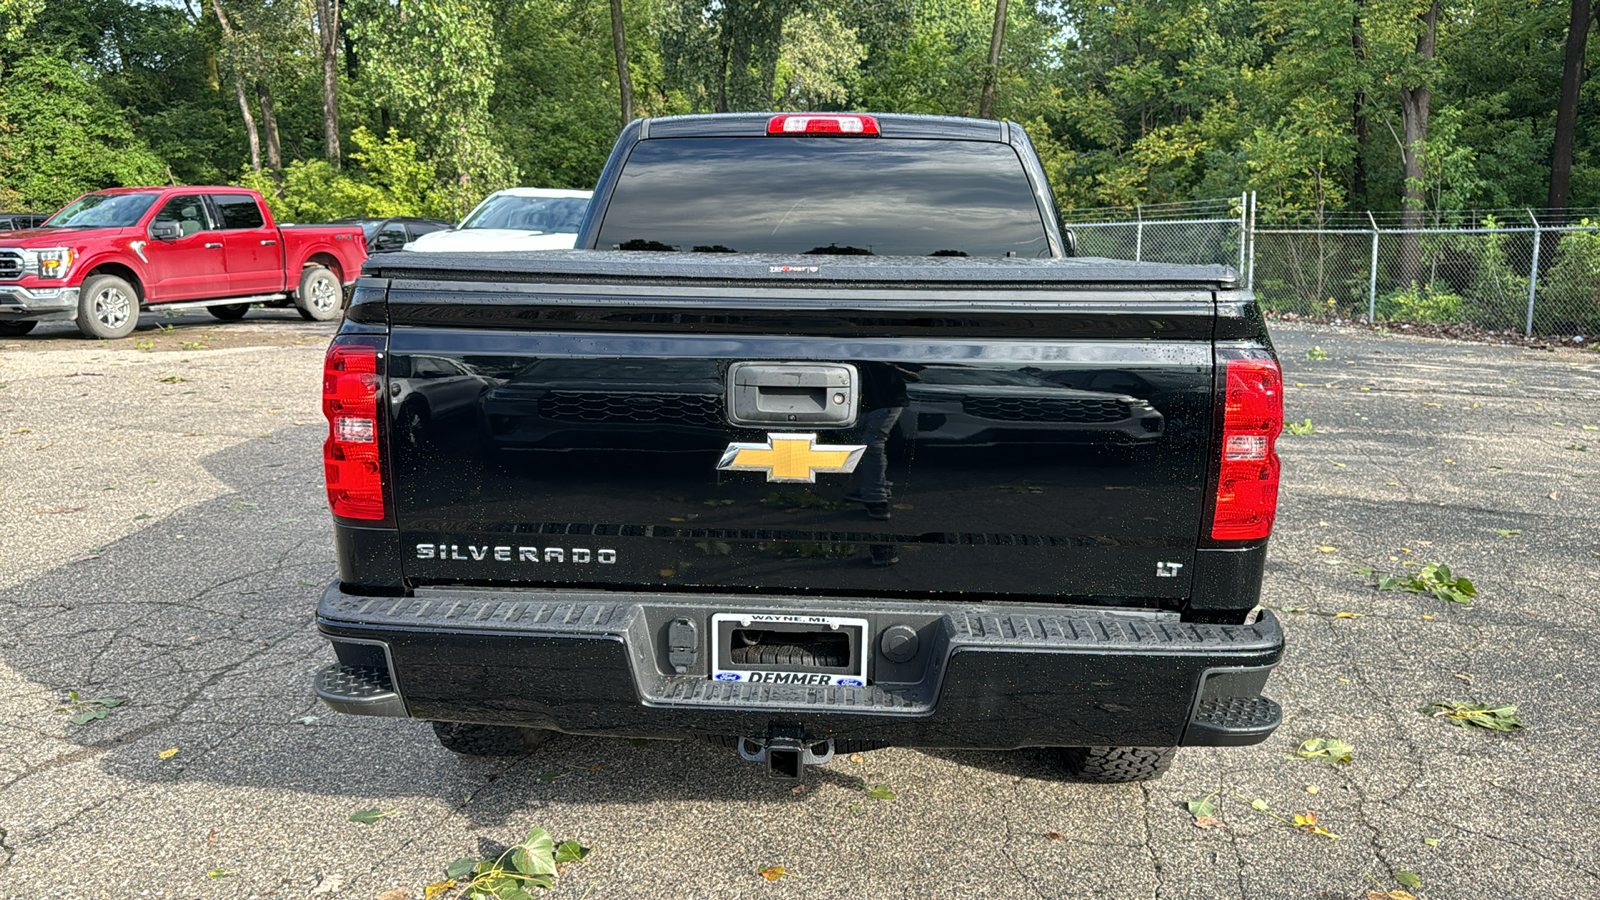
(851, 682)
(727, 676)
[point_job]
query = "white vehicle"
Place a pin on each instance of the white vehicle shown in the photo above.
(513, 219)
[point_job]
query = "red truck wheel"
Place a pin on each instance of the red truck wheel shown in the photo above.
(108, 307)
(320, 297)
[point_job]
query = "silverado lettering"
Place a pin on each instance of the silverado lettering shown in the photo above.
(502, 553)
(1043, 522)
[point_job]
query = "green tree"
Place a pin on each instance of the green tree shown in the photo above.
(62, 138)
(435, 63)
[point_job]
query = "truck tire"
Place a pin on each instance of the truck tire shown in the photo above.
(320, 297)
(108, 307)
(1117, 765)
(469, 739)
(231, 312)
(808, 655)
(16, 329)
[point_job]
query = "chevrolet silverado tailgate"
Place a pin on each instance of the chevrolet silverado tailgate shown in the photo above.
(1028, 431)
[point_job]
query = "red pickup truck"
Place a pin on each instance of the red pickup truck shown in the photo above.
(107, 255)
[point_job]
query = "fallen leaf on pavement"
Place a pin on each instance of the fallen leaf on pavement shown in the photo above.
(437, 889)
(1331, 749)
(773, 873)
(168, 754)
(1308, 824)
(1207, 822)
(1055, 836)
(396, 894)
(1501, 717)
(1202, 807)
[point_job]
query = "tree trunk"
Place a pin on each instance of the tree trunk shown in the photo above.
(1358, 114)
(986, 103)
(619, 41)
(269, 123)
(249, 122)
(1567, 111)
(238, 89)
(328, 25)
(1414, 107)
(739, 72)
(724, 41)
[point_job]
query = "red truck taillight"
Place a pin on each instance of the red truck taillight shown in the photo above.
(352, 383)
(1247, 484)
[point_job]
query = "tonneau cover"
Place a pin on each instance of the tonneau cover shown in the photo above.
(621, 266)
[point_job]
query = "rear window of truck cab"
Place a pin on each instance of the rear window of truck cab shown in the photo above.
(824, 196)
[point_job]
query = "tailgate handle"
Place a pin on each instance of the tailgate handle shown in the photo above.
(826, 395)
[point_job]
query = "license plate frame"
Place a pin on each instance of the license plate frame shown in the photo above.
(857, 631)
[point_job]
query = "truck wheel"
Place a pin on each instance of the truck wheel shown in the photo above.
(320, 297)
(231, 312)
(108, 307)
(470, 739)
(1116, 765)
(16, 329)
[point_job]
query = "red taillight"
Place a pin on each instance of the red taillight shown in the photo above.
(1247, 486)
(791, 123)
(351, 386)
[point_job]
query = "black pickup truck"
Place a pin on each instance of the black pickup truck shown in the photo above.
(821, 441)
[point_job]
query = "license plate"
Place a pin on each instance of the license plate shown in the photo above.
(836, 645)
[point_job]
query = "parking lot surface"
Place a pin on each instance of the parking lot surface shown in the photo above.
(166, 537)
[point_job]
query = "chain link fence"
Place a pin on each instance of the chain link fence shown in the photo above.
(1532, 272)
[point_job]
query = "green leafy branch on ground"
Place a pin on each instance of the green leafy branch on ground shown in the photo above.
(533, 863)
(89, 710)
(1305, 427)
(1331, 750)
(1495, 717)
(1435, 579)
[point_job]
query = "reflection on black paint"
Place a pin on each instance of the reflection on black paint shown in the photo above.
(995, 489)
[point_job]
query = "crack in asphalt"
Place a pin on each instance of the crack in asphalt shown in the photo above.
(1011, 839)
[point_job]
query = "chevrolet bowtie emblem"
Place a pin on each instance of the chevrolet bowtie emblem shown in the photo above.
(791, 457)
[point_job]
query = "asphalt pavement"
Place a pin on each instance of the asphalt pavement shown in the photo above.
(165, 537)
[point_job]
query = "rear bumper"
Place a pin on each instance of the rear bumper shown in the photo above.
(981, 676)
